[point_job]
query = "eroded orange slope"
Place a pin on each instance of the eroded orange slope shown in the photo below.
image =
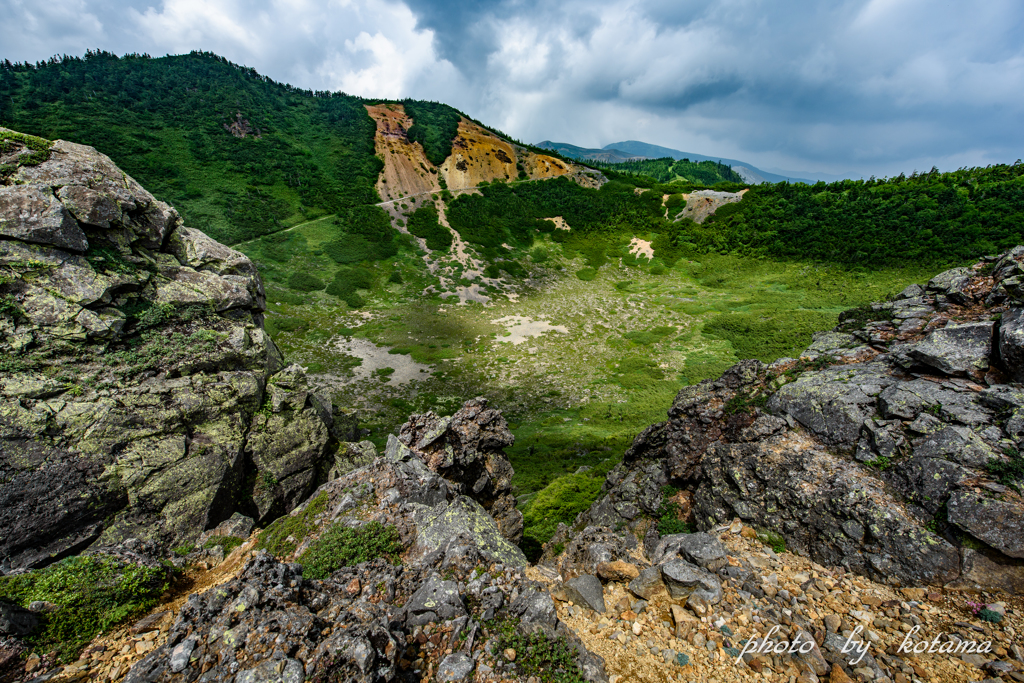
(407, 171)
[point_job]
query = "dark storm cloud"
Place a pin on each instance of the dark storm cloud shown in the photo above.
(873, 86)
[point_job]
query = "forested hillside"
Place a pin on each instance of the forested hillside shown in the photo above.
(668, 169)
(237, 153)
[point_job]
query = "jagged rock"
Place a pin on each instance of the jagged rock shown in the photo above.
(436, 600)
(351, 455)
(703, 550)
(957, 349)
(466, 449)
(906, 401)
(683, 579)
(464, 517)
(926, 482)
(586, 590)
(911, 292)
(31, 213)
(996, 522)
(586, 550)
(953, 283)
(455, 667)
(648, 583)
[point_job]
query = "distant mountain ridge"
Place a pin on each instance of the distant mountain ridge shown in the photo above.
(607, 155)
(631, 150)
(747, 171)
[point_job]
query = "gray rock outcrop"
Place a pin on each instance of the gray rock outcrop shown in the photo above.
(139, 394)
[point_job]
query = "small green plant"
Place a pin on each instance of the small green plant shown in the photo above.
(746, 401)
(342, 546)
(773, 540)
(228, 543)
(668, 514)
(268, 480)
(881, 463)
(537, 654)
(94, 593)
(183, 550)
(1008, 472)
(284, 535)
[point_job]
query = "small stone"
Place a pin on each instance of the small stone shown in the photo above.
(617, 571)
(637, 628)
(832, 623)
(510, 654)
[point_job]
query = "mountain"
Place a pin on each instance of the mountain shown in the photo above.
(606, 155)
(748, 172)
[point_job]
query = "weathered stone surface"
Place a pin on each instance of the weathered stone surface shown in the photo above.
(16, 621)
(683, 579)
(466, 449)
(953, 284)
(158, 440)
(956, 444)
(436, 600)
(455, 667)
(833, 403)
(981, 572)
(995, 522)
(463, 517)
(957, 349)
(31, 213)
(926, 482)
(1011, 342)
(648, 583)
(586, 590)
(701, 549)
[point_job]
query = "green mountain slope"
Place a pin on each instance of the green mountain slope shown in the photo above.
(237, 153)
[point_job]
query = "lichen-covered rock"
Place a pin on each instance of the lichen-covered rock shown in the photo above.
(467, 450)
(995, 521)
(135, 370)
(962, 350)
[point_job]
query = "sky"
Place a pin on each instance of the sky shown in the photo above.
(852, 87)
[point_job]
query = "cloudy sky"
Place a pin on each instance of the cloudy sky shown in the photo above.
(844, 86)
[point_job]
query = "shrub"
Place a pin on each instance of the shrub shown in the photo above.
(94, 593)
(668, 514)
(304, 282)
(537, 654)
(285, 534)
(1009, 472)
(539, 255)
(342, 546)
(586, 274)
(559, 501)
(772, 539)
(277, 324)
(396, 278)
(423, 223)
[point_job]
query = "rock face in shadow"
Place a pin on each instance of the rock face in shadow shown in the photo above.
(139, 394)
(887, 448)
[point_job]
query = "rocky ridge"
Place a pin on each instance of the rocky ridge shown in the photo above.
(139, 395)
(890, 447)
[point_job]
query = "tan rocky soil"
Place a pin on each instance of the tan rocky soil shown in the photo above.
(407, 171)
(643, 644)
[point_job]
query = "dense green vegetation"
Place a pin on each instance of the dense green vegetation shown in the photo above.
(340, 546)
(92, 594)
(423, 222)
(668, 169)
(537, 654)
(934, 218)
(435, 126)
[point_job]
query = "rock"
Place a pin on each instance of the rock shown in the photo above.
(535, 609)
(586, 590)
(1011, 342)
(979, 571)
(993, 521)
(806, 650)
(455, 667)
(701, 549)
(953, 283)
(147, 623)
(911, 292)
(31, 213)
(180, 655)
(957, 350)
(926, 482)
(832, 622)
(617, 571)
(697, 604)
(436, 600)
(833, 403)
(957, 444)
(17, 621)
(467, 450)
(464, 518)
(273, 671)
(648, 583)
(683, 579)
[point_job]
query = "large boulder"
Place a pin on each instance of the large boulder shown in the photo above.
(962, 350)
(131, 403)
(994, 521)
